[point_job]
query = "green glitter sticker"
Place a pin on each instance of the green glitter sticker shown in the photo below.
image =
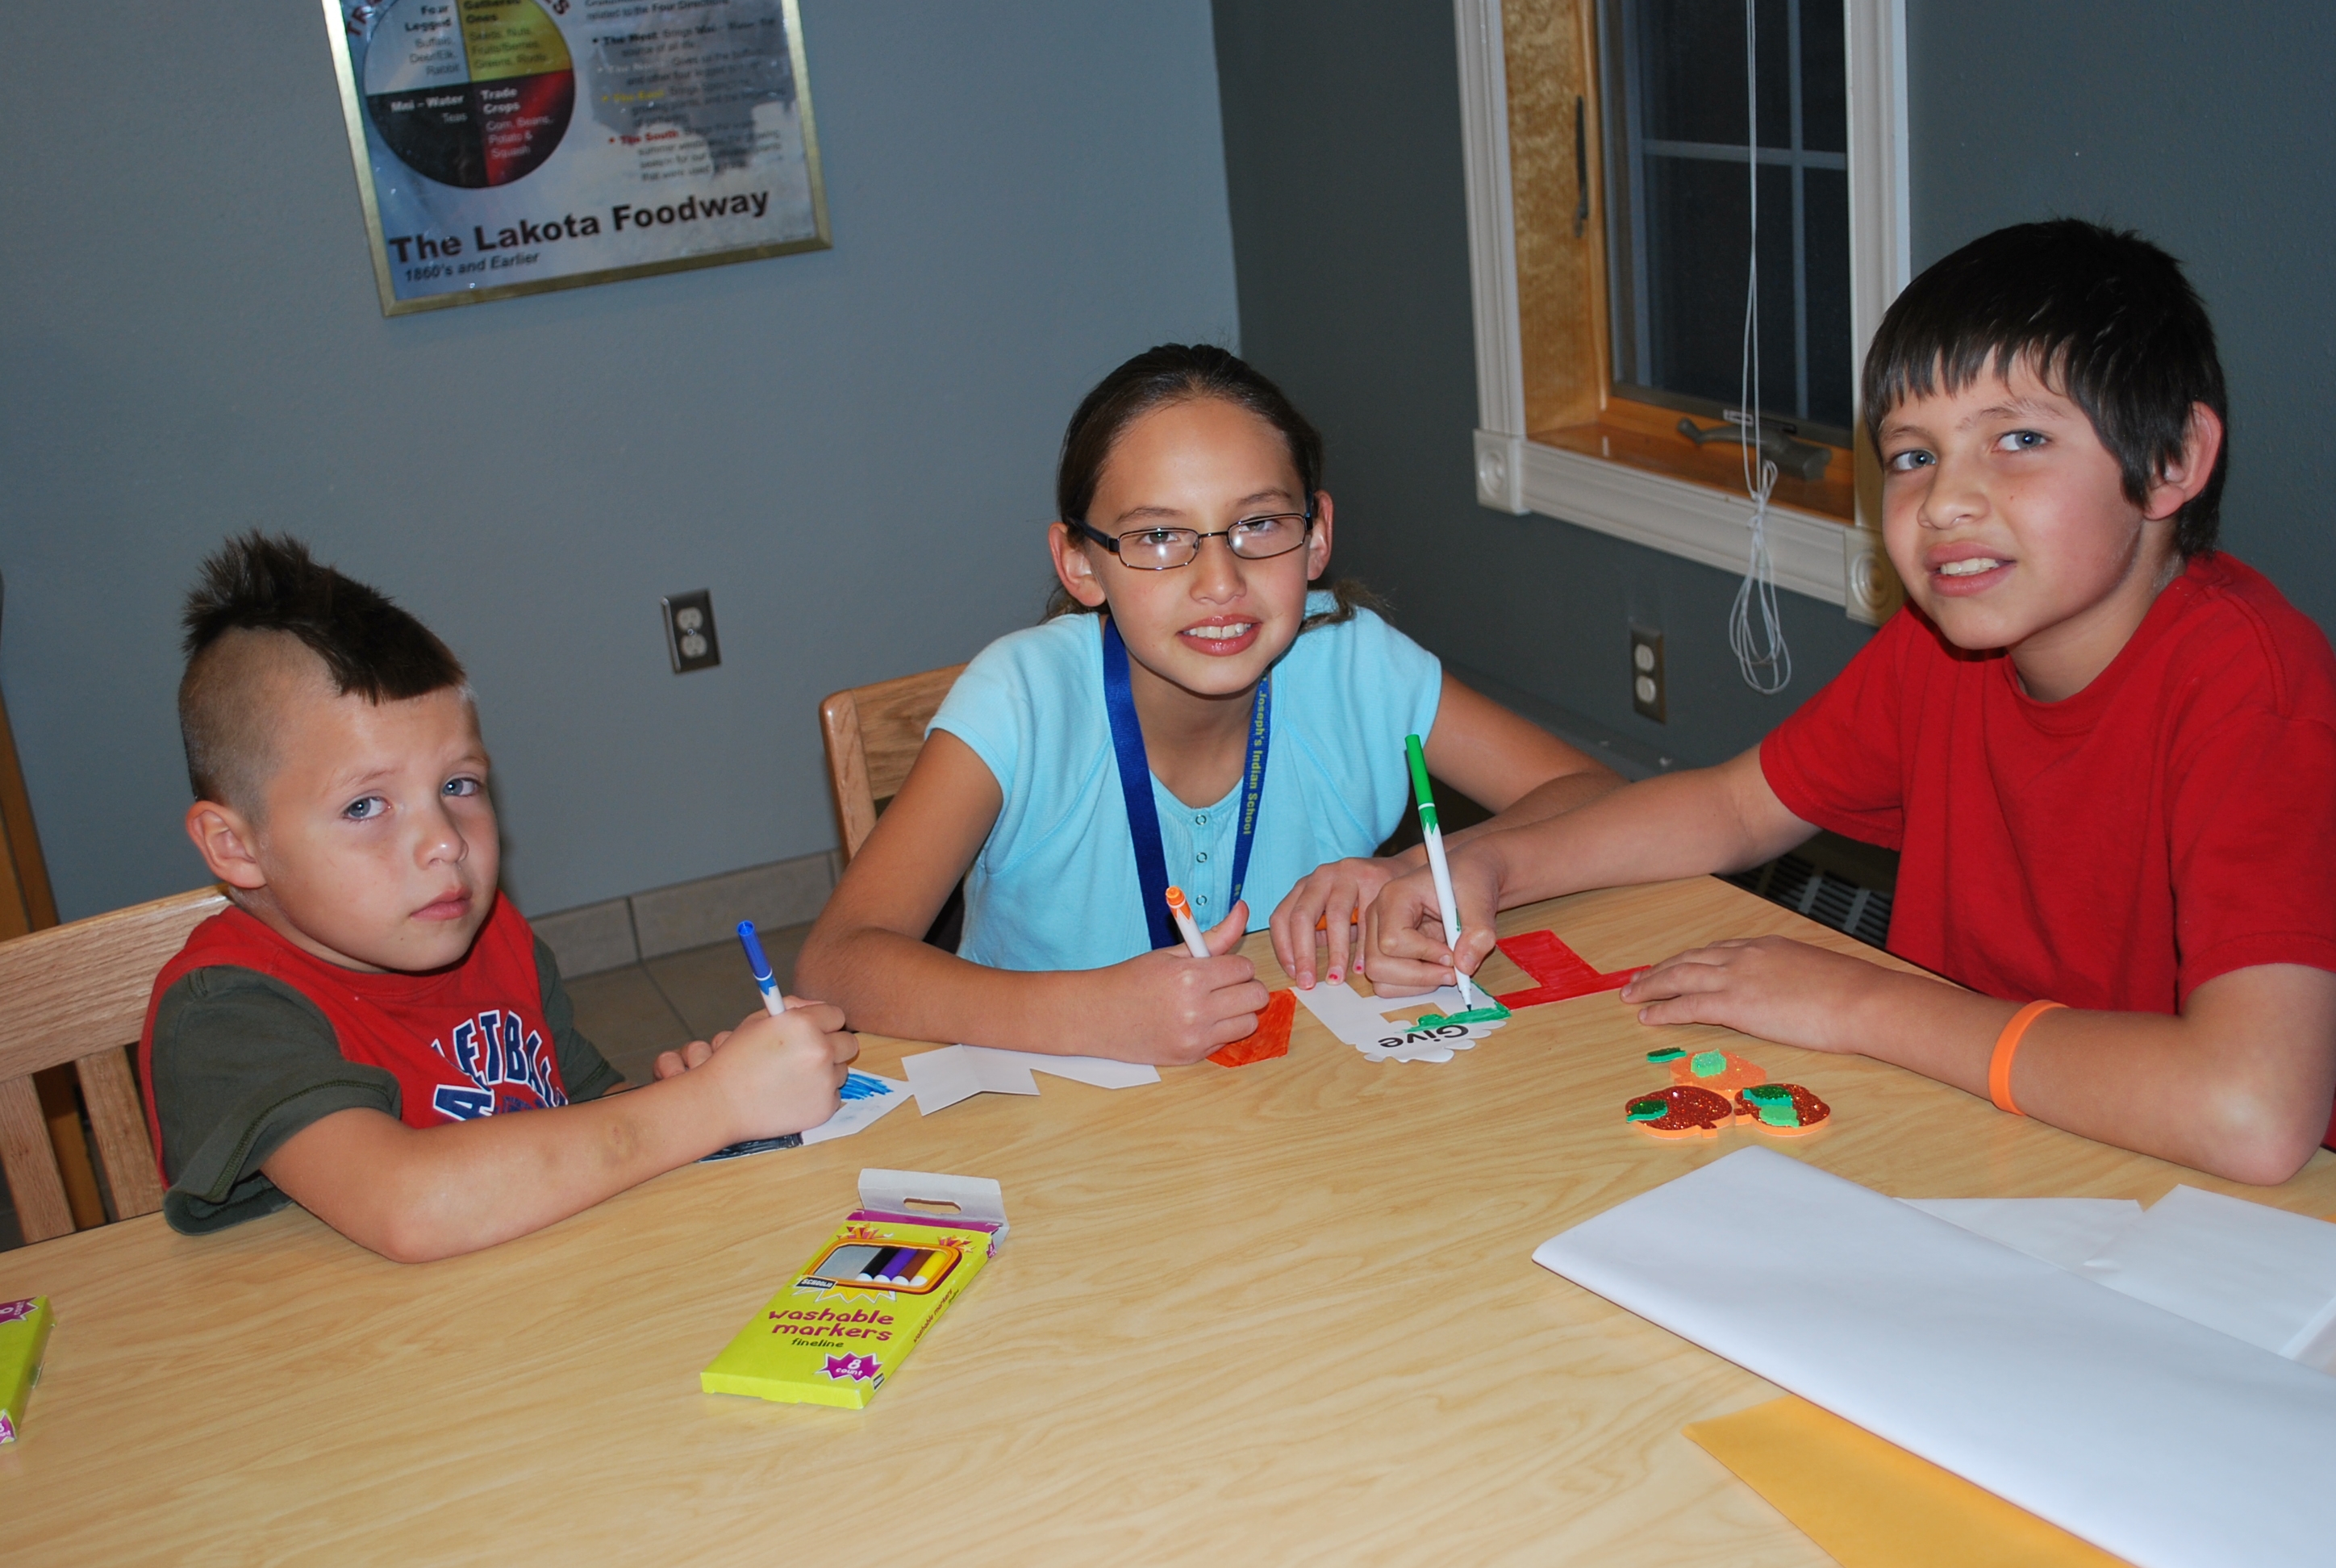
(1646, 1110)
(1769, 1091)
(1668, 1054)
(1709, 1064)
(1777, 1116)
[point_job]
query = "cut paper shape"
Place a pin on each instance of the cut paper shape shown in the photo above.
(1781, 1110)
(1562, 974)
(939, 1079)
(1369, 1024)
(1270, 1038)
(1687, 1113)
(866, 1098)
(1723, 1072)
(1664, 1054)
(1872, 1504)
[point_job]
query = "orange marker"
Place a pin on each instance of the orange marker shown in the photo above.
(1186, 924)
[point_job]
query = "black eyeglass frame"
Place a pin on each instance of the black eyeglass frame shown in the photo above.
(1112, 542)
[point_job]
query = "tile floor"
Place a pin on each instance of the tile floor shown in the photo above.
(635, 1012)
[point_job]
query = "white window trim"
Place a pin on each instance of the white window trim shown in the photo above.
(1814, 555)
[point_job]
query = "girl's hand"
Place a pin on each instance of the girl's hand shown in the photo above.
(1171, 1008)
(1772, 988)
(1334, 898)
(1403, 934)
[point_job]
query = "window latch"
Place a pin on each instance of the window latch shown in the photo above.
(1803, 460)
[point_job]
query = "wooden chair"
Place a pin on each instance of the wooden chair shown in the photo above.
(77, 993)
(872, 734)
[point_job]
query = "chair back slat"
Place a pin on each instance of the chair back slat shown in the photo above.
(78, 993)
(872, 734)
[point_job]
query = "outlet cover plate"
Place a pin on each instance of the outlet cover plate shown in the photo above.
(1649, 692)
(690, 636)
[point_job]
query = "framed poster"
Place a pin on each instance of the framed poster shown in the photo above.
(508, 147)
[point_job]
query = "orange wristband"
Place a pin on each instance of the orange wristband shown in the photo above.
(2007, 1046)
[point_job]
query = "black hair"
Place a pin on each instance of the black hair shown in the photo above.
(1181, 373)
(2102, 315)
(368, 646)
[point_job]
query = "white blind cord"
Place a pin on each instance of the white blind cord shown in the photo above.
(1760, 651)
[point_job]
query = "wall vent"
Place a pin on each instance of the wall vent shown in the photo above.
(1825, 897)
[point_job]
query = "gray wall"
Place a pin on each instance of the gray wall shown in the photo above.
(851, 448)
(2203, 124)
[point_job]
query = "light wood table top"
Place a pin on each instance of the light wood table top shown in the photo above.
(1214, 1336)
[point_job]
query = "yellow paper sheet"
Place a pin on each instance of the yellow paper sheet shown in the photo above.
(1872, 1504)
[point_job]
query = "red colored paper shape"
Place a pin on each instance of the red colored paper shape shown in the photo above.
(1270, 1038)
(1563, 973)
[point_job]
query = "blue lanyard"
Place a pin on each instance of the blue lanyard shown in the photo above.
(1136, 784)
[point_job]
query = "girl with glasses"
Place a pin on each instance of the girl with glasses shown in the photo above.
(1201, 708)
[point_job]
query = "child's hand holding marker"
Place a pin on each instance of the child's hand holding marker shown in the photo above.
(781, 1068)
(1173, 1007)
(1405, 931)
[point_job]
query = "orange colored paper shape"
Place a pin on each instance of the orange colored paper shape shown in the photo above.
(1270, 1038)
(1563, 973)
(1872, 1504)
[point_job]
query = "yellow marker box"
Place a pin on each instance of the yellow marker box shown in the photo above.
(24, 1339)
(842, 1329)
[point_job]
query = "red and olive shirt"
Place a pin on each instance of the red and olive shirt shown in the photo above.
(2173, 821)
(248, 1039)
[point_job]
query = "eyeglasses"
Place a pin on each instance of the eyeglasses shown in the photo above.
(1166, 549)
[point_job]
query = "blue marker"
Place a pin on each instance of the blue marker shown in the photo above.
(761, 965)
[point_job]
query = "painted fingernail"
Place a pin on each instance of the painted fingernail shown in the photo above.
(1334, 977)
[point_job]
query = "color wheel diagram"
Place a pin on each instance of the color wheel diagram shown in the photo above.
(469, 92)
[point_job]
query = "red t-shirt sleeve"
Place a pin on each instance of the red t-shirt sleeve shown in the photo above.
(1838, 761)
(2253, 821)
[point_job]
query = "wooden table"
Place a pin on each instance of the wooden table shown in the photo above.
(1213, 1337)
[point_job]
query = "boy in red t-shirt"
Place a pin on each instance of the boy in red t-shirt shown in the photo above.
(354, 1033)
(2106, 752)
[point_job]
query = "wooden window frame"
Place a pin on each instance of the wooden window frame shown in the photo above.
(1551, 436)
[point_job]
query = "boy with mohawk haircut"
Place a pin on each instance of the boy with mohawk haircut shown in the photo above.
(2105, 750)
(356, 1033)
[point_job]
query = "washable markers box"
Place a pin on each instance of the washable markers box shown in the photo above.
(862, 1302)
(24, 1339)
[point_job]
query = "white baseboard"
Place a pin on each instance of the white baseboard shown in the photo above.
(615, 932)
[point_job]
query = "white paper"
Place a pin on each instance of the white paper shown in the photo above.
(1359, 1021)
(2258, 1273)
(939, 1079)
(2062, 1230)
(860, 1113)
(2158, 1440)
(1102, 1072)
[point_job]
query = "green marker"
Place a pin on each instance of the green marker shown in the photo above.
(1438, 867)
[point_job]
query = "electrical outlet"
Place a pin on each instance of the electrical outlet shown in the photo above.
(1649, 696)
(689, 631)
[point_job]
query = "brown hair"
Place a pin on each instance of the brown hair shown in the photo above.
(1179, 373)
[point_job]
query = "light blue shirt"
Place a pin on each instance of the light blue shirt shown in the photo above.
(1055, 886)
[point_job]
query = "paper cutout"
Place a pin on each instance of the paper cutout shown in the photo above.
(1781, 1110)
(1369, 1024)
(1871, 1504)
(1270, 1038)
(866, 1098)
(1687, 1113)
(1562, 973)
(939, 1079)
(1724, 1072)
(1664, 1054)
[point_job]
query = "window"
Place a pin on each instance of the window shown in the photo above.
(1608, 220)
(1678, 212)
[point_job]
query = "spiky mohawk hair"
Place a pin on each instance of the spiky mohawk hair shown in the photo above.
(255, 583)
